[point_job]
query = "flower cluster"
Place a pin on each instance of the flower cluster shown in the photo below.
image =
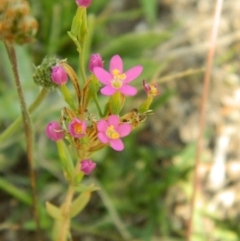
(88, 132)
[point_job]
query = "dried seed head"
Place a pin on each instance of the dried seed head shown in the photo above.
(16, 24)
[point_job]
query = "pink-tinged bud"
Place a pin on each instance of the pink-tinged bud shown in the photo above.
(59, 76)
(84, 3)
(95, 61)
(77, 128)
(87, 166)
(54, 131)
(151, 89)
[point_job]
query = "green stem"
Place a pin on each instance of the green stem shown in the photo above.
(97, 105)
(13, 128)
(84, 38)
(27, 123)
(82, 65)
(67, 97)
(66, 221)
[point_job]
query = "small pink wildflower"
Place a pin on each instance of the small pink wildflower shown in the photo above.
(87, 166)
(58, 75)
(151, 89)
(95, 61)
(77, 128)
(54, 131)
(116, 79)
(110, 131)
(84, 3)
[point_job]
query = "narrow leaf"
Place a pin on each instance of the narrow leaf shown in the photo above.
(79, 204)
(53, 211)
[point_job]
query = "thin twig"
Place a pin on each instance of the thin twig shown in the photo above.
(27, 123)
(196, 184)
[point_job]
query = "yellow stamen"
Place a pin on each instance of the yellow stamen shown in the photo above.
(111, 132)
(117, 78)
(78, 128)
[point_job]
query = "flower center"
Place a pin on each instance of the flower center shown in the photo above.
(111, 132)
(118, 78)
(77, 128)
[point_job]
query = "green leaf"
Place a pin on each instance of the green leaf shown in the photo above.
(85, 188)
(79, 204)
(53, 211)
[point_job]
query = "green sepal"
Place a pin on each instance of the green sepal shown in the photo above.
(53, 211)
(106, 108)
(66, 160)
(78, 28)
(75, 40)
(145, 105)
(68, 97)
(76, 23)
(91, 89)
(116, 103)
(79, 203)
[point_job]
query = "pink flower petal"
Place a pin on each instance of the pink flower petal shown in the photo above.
(113, 120)
(102, 125)
(102, 75)
(103, 138)
(116, 63)
(128, 90)
(124, 129)
(108, 90)
(133, 73)
(116, 144)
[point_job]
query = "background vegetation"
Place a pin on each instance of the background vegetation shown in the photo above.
(146, 189)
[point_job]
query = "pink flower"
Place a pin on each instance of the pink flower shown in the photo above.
(110, 131)
(83, 3)
(116, 79)
(151, 89)
(87, 166)
(77, 128)
(54, 131)
(58, 75)
(95, 61)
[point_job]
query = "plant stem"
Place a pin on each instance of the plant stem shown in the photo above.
(82, 64)
(97, 105)
(27, 123)
(83, 45)
(13, 128)
(196, 182)
(65, 225)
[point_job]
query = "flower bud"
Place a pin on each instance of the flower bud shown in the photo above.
(151, 89)
(87, 166)
(84, 3)
(58, 75)
(54, 131)
(77, 128)
(42, 74)
(95, 61)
